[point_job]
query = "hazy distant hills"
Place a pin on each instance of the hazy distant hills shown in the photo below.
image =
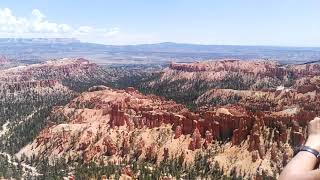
(40, 49)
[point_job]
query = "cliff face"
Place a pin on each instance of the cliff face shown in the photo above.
(57, 69)
(28, 93)
(236, 74)
(114, 123)
(257, 68)
(219, 69)
(232, 65)
(24, 86)
(117, 123)
(303, 70)
(48, 74)
(251, 113)
(274, 103)
(124, 123)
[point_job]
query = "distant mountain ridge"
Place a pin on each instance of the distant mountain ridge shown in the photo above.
(35, 50)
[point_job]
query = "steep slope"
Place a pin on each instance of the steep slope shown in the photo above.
(27, 94)
(280, 99)
(98, 121)
(248, 117)
(185, 82)
(113, 125)
(108, 125)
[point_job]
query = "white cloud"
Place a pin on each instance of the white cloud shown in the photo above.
(38, 26)
(12, 25)
(112, 32)
(83, 30)
(36, 13)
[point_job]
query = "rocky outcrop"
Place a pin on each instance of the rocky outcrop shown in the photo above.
(218, 69)
(178, 132)
(258, 68)
(196, 67)
(303, 70)
(196, 140)
(117, 116)
(230, 65)
(48, 75)
(24, 86)
(133, 111)
(255, 133)
(110, 148)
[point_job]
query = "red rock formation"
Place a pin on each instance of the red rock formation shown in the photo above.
(178, 132)
(151, 154)
(208, 137)
(32, 76)
(297, 139)
(130, 90)
(127, 171)
(255, 156)
(117, 116)
(165, 153)
(260, 133)
(274, 152)
(125, 146)
(188, 67)
(110, 148)
(140, 148)
(259, 68)
(196, 140)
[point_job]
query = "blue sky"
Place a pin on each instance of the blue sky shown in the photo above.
(227, 22)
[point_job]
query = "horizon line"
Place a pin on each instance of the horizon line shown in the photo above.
(164, 42)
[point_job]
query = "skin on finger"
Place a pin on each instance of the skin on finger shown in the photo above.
(303, 165)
